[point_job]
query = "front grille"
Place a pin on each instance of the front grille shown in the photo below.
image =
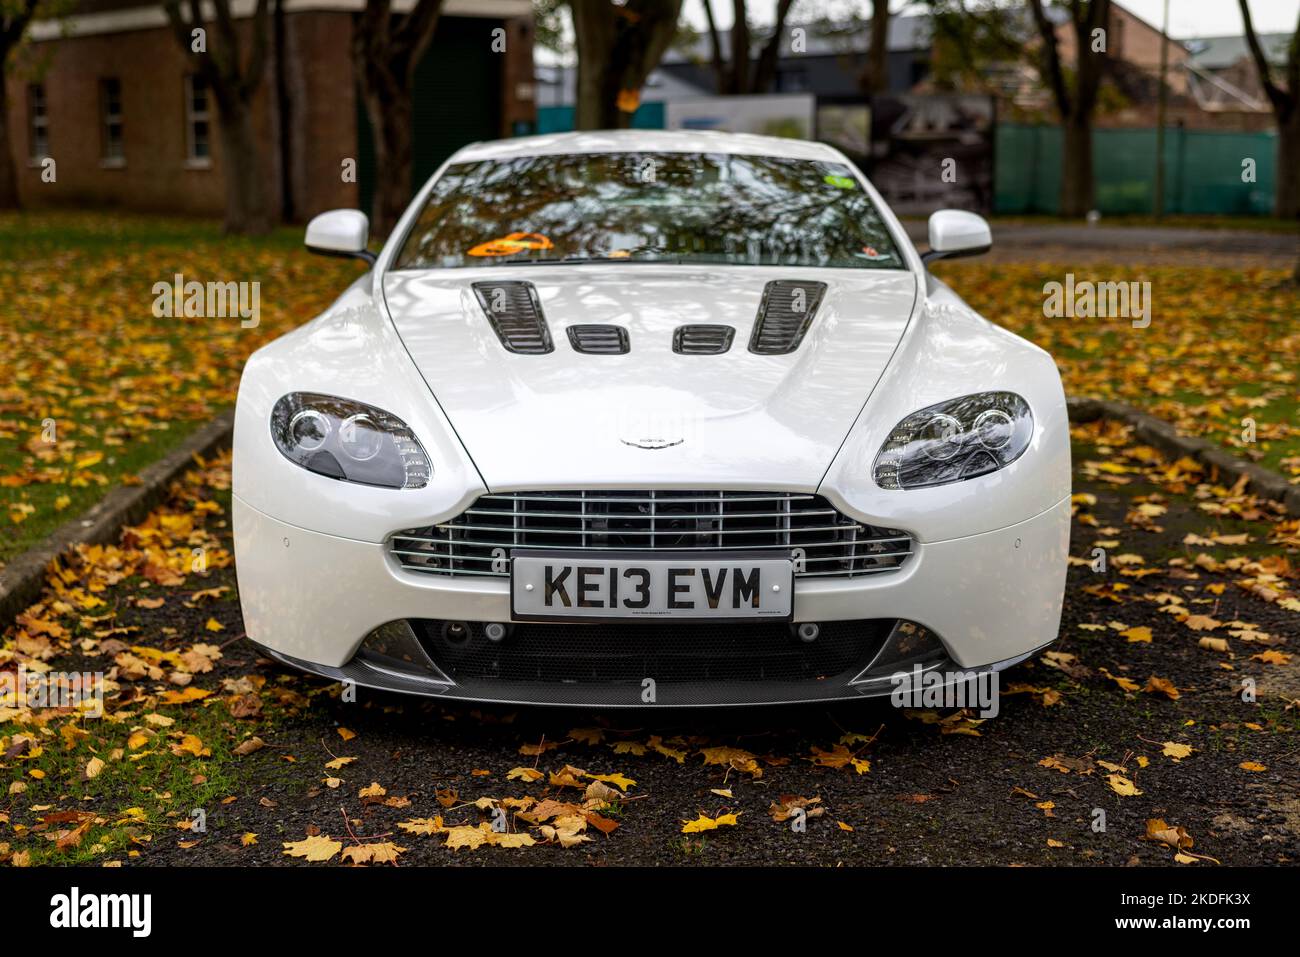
(822, 541)
(685, 652)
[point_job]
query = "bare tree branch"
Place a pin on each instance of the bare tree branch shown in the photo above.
(765, 70)
(1051, 58)
(715, 44)
(1282, 100)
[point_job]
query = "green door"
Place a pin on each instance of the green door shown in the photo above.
(457, 101)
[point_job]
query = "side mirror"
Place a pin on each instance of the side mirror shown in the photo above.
(340, 232)
(954, 232)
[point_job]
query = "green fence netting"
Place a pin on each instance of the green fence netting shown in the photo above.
(1203, 170)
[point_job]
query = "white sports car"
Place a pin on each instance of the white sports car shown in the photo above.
(649, 417)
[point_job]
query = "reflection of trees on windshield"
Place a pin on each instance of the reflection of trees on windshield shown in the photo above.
(722, 208)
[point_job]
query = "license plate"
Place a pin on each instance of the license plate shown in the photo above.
(583, 585)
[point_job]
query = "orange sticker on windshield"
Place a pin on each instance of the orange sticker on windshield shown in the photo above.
(509, 245)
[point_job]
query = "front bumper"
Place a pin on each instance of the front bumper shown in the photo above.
(312, 600)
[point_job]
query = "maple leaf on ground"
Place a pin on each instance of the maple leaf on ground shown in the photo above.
(785, 807)
(568, 777)
(1122, 785)
(656, 744)
(600, 794)
(316, 848)
(736, 758)
(1127, 684)
(184, 696)
(536, 750)
(422, 825)
(566, 830)
(191, 744)
(527, 775)
(839, 757)
(605, 825)
(384, 852)
(705, 823)
(1162, 686)
(1272, 657)
(618, 780)
(249, 746)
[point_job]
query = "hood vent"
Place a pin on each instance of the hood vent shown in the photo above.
(599, 340)
(702, 340)
(784, 316)
(515, 312)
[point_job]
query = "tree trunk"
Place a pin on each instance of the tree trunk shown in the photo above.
(392, 120)
(875, 76)
(247, 210)
(8, 170)
(739, 48)
(1286, 199)
(596, 105)
(1076, 167)
(284, 113)
(617, 48)
(597, 96)
(720, 80)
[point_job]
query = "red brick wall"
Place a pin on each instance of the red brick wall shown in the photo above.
(156, 177)
(152, 67)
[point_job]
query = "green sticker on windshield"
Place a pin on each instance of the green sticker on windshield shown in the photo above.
(840, 182)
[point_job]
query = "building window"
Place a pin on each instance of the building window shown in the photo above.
(198, 129)
(112, 152)
(38, 124)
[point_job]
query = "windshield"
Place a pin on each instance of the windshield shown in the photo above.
(649, 207)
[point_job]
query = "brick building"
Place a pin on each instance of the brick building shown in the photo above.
(107, 93)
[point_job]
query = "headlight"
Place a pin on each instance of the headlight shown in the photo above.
(348, 440)
(955, 440)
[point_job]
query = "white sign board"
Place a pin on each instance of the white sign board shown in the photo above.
(777, 114)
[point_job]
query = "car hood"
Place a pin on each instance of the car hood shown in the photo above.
(571, 420)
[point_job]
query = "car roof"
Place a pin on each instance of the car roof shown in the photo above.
(648, 141)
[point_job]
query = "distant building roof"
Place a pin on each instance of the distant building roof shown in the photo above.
(1217, 53)
(820, 39)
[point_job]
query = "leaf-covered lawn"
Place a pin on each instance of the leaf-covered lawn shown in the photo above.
(81, 347)
(1223, 346)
